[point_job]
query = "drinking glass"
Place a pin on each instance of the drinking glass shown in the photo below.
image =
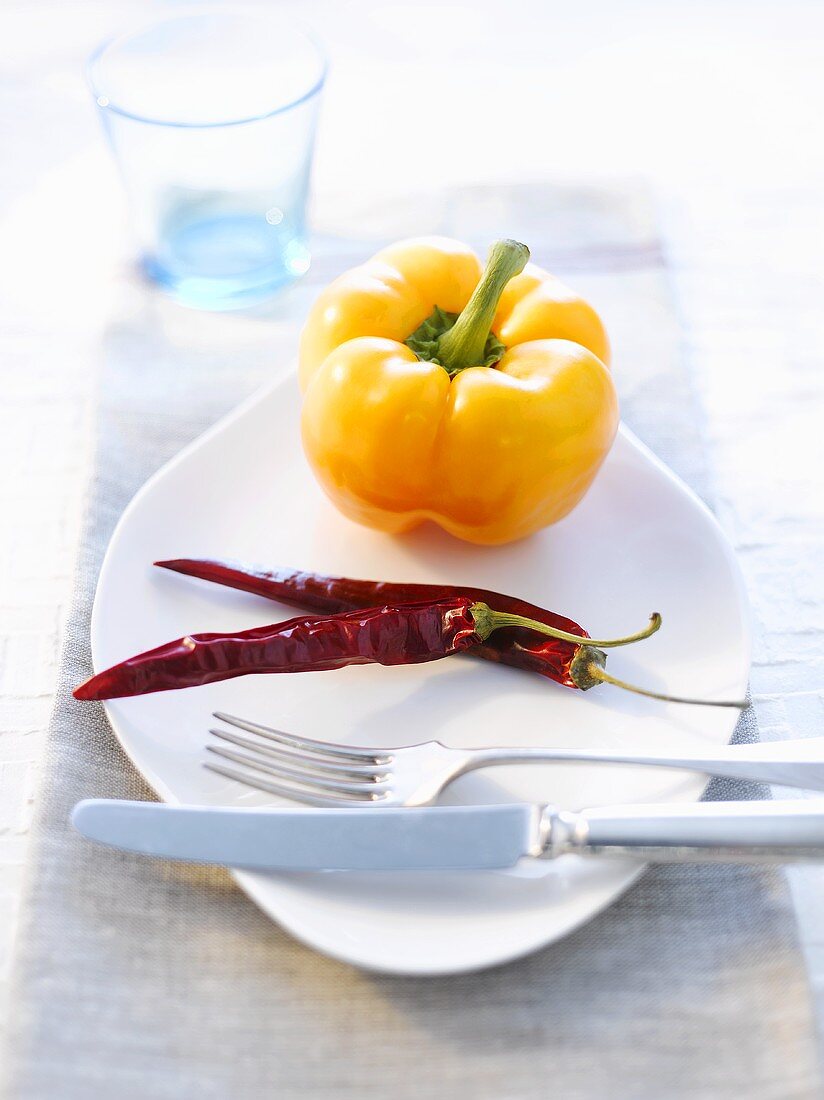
(211, 115)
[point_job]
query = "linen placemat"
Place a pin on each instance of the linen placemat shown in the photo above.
(138, 978)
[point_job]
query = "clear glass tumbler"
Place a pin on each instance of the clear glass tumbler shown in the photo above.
(211, 114)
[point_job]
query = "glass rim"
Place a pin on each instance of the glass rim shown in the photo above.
(107, 104)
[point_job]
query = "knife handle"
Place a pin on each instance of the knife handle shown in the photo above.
(732, 832)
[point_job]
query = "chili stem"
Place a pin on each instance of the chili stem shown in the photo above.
(597, 673)
(463, 345)
(487, 620)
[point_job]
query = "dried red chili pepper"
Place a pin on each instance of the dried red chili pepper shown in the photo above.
(389, 635)
(554, 658)
(574, 663)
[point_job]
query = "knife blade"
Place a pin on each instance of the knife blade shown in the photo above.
(442, 838)
(286, 839)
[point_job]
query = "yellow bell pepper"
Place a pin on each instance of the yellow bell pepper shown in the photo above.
(435, 390)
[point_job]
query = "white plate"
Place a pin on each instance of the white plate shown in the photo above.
(639, 542)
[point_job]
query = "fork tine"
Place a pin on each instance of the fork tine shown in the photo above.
(283, 790)
(376, 756)
(320, 764)
(371, 790)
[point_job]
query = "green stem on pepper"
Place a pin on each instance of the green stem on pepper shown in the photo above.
(463, 345)
(467, 340)
(487, 620)
(587, 667)
(599, 674)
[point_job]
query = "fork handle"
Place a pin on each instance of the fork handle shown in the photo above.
(706, 831)
(795, 763)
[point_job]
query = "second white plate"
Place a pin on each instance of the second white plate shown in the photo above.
(639, 542)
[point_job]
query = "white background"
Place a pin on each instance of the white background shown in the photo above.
(719, 104)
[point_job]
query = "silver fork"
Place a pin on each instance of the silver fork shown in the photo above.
(325, 774)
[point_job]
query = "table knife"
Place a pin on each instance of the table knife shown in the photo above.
(444, 838)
